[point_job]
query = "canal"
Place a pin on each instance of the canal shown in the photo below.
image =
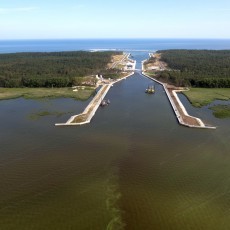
(133, 166)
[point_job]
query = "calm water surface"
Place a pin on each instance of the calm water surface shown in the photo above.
(133, 163)
(12, 46)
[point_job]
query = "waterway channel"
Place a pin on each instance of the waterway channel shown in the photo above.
(132, 163)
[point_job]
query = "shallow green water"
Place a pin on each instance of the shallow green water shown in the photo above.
(133, 167)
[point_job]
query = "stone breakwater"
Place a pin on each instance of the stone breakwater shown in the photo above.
(181, 114)
(86, 116)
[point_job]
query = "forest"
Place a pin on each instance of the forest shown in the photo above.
(52, 69)
(196, 68)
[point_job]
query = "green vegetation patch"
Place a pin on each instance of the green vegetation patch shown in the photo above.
(151, 74)
(37, 93)
(37, 115)
(202, 96)
(221, 111)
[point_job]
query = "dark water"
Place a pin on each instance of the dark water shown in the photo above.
(133, 166)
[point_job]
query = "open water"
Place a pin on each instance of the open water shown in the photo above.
(133, 167)
(12, 46)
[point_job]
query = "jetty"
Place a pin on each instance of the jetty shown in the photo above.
(171, 91)
(181, 114)
(86, 116)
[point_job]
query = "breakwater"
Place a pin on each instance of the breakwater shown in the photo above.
(86, 116)
(181, 114)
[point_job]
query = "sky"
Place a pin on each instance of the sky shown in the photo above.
(59, 19)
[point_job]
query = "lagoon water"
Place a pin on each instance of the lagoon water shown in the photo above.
(133, 167)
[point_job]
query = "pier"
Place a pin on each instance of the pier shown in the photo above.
(171, 91)
(181, 114)
(86, 116)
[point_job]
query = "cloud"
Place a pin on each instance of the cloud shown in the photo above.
(19, 9)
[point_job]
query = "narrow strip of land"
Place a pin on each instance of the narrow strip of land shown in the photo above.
(181, 114)
(86, 116)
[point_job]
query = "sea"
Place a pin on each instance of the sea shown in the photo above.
(132, 168)
(147, 45)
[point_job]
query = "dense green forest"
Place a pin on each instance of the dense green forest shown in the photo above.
(55, 69)
(197, 68)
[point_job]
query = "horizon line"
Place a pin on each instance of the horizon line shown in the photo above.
(125, 38)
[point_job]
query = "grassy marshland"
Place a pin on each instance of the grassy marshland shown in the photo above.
(37, 93)
(203, 96)
(221, 111)
(37, 115)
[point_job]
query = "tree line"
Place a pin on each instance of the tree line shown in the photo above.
(52, 69)
(197, 68)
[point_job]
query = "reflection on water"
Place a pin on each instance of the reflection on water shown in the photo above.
(132, 163)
